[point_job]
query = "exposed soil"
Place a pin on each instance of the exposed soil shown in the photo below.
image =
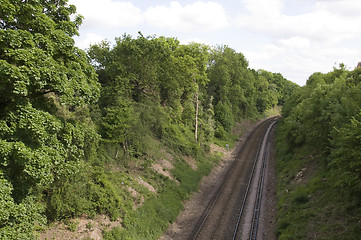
(185, 222)
(163, 167)
(80, 228)
(191, 161)
(145, 184)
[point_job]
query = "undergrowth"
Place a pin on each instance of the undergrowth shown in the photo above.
(150, 220)
(113, 181)
(101, 187)
(309, 206)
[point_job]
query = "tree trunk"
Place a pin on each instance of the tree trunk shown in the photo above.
(116, 153)
(196, 129)
(125, 149)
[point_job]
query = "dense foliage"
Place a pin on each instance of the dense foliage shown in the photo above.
(41, 75)
(193, 84)
(73, 125)
(185, 96)
(320, 133)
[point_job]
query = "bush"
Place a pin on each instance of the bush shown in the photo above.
(18, 219)
(220, 133)
(282, 225)
(223, 115)
(300, 198)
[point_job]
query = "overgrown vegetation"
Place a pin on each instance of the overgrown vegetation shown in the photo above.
(318, 152)
(80, 132)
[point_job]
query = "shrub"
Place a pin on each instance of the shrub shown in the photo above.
(282, 225)
(300, 198)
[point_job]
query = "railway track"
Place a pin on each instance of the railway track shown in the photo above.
(233, 211)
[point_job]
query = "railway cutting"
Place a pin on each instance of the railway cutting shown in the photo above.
(234, 206)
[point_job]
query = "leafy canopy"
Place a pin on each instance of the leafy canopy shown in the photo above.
(43, 78)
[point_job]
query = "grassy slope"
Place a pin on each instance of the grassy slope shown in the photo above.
(113, 186)
(308, 205)
(162, 208)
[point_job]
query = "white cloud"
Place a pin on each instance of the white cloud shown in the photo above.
(296, 42)
(90, 38)
(198, 16)
(297, 65)
(266, 8)
(265, 52)
(108, 13)
(301, 64)
(258, 60)
(323, 24)
(314, 40)
(194, 40)
(347, 8)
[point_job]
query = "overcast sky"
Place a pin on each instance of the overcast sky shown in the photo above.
(293, 37)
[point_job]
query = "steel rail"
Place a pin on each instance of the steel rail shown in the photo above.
(257, 207)
(225, 206)
(199, 225)
(256, 212)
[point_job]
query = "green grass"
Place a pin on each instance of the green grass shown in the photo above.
(153, 218)
(312, 208)
(101, 185)
(224, 138)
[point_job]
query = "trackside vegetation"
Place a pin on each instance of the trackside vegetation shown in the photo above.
(83, 134)
(319, 161)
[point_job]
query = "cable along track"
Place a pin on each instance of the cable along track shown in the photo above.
(234, 209)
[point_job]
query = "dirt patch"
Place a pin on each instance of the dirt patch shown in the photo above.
(167, 155)
(191, 162)
(300, 175)
(217, 149)
(145, 184)
(225, 153)
(80, 228)
(166, 164)
(138, 198)
(307, 171)
(163, 167)
(242, 127)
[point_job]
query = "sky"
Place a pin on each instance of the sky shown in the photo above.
(293, 37)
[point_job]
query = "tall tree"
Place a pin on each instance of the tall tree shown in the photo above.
(44, 79)
(231, 84)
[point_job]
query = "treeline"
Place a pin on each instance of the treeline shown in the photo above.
(68, 117)
(319, 137)
(201, 89)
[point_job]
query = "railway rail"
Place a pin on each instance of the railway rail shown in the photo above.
(233, 211)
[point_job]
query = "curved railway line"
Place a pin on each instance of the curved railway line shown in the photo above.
(233, 211)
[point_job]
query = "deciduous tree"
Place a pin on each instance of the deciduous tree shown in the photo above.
(44, 79)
